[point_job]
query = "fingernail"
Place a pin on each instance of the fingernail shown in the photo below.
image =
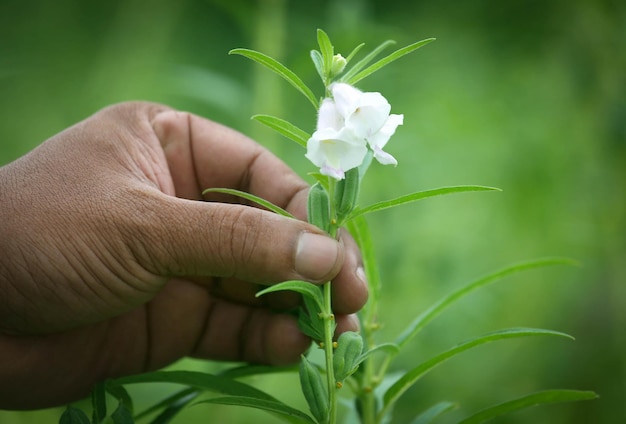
(316, 256)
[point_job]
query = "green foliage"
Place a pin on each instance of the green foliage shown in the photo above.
(285, 128)
(533, 399)
(279, 69)
(428, 315)
(291, 415)
(413, 197)
(386, 61)
(251, 197)
(433, 412)
(73, 415)
(411, 377)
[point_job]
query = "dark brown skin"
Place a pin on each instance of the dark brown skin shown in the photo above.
(110, 265)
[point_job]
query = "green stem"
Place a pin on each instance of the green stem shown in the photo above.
(330, 317)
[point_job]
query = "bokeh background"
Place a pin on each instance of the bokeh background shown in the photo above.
(528, 96)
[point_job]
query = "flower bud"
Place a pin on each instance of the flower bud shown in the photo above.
(314, 390)
(346, 356)
(346, 193)
(338, 65)
(318, 207)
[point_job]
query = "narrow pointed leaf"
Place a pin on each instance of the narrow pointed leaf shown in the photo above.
(359, 229)
(294, 415)
(413, 197)
(98, 403)
(199, 380)
(73, 415)
(438, 409)
(366, 60)
(280, 69)
(253, 370)
(284, 128)
(318, 61)
(387, 60)
(120, 393)
(171, 405)
(122, 415)
(307, 289)
(411, 377)
(354, 52)
(168, 414)
(534, 399)
(428, 315)
(388, 348)
(327, 50)
(256, 199)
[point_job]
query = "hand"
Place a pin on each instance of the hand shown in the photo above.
(111, 265)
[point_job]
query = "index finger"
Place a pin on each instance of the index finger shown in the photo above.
(204, 154)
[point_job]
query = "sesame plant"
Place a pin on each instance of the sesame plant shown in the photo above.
(350, 381)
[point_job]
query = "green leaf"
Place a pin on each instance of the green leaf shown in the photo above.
(256, 199)
(318, 61)
(413, 197)
(266, 405)
(327, 50)
(281, 70)
(387, 60)
(354, 52)
(98, 403)
(122, 415)
(411, 377)
(73, 415)
(199, 380)
(172, 405)
(119, 393)
(534, 399)
(310, 321)
(360, 231)
(429, 415)
(254, 370)
(389, 348)
(307, 289)
(284, 128)
(366, 60)
(428, 315)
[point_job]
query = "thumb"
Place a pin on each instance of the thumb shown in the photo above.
(193, 238)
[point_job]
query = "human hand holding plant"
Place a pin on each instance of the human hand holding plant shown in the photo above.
(110, 266)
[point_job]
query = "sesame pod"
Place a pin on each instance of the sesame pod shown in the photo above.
(314, 390)
(347, 354)
(318, 207)
(346, 193)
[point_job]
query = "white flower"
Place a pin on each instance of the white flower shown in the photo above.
(333, 147)
(367, 116)
(347, 124)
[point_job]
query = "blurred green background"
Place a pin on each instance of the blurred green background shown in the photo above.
(528, 96)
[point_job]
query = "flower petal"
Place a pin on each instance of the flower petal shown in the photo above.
(346, 98)
(328, 116)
